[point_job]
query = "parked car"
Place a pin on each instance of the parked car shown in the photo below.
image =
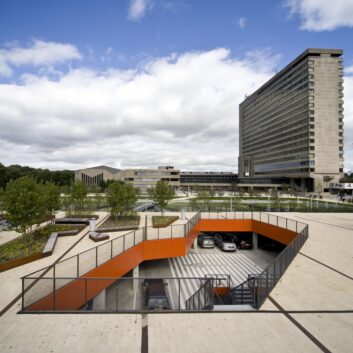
(155, 294)
(271, 246)
(205, 241)
(243, 244)
(224, 242)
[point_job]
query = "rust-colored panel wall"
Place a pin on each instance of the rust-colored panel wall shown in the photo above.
(72, 296)
(224, 225)
(281, 235)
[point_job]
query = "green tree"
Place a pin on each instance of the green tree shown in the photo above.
(50, 198)
(275, 201)
(23, 203)
(161, 194)
(121, 198)
(78, 195)
(204, 201)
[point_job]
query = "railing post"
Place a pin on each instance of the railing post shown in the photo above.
(179, 294)
(134, 237)
(296, 226)
(54, 289)
(96, 256)
(111, 249)
(78, 265)
(23, 293)
(85, 292)
(124, 243)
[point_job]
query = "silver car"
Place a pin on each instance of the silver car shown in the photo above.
(224, 242)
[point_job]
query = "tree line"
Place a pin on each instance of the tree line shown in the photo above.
(58, 177)
(27, 202)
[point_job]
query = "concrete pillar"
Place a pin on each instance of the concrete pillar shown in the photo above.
(182, 216)
(92, 225)
(194, 245)
(255, 240)
(135, 274)
(99, 301)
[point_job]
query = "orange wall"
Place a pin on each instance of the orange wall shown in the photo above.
(72, 296)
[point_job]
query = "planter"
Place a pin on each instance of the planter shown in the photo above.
(19, 262)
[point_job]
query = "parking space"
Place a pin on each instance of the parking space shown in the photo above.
(203, 262)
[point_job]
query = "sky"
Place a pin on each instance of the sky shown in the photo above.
(142, 83)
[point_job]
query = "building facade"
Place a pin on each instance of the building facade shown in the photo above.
(143, 179)
(197, 181)
(292, 126)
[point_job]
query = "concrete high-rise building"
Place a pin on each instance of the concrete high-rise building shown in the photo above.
(292, 126)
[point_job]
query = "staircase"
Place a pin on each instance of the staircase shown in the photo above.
(243, 295)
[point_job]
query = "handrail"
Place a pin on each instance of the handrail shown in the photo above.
(207, 289)
(261, 283)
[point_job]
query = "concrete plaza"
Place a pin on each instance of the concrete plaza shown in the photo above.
(310, 309)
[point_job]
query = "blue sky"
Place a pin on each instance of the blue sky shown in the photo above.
(142, 74)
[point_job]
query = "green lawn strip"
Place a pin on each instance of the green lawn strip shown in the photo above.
(163, 221)
(33, 243)
(121, 221)
(82, 215)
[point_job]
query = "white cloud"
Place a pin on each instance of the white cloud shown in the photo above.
(242, 22)
(39, 53)
(180, 110)
(137, 9)
(322, 15)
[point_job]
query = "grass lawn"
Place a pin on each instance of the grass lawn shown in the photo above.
(33, 243)
(121, 221)
(163, 221)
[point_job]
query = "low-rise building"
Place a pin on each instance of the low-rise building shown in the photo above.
(143, 179)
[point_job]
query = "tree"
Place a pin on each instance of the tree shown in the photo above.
(203, 199)
(121, 198)
(348, 177)
(23, 203)
(50, 198)
(78, 194)
(234, 187)
(275, 201)
(161, 194)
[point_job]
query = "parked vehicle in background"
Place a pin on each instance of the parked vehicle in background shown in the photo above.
(205, 241)
(271, 246)
(224, 242)
(155, 294)
(243, 244)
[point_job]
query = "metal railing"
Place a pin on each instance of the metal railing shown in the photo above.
(86, 261)
(268, 278)
(127, 294)
(261, 285)
(203, 298)
(35, 286)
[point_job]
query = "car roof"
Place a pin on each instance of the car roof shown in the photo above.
(156, 287)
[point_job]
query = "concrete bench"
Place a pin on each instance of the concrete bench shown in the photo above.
(116, 228)
(50, 244)
(71, 221)
(95, 236)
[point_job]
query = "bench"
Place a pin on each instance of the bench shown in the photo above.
(50, 244)
(71, 221)
(95, 236)
(116, 228)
